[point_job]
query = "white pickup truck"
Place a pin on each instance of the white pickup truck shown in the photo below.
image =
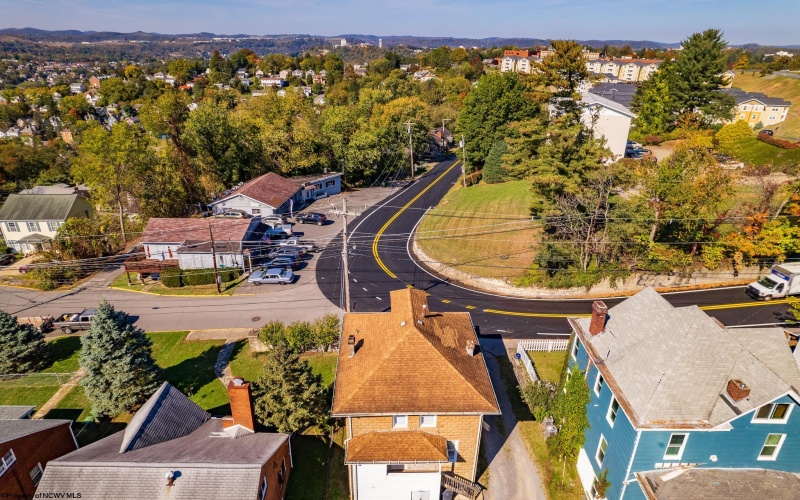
(294, 241)
(783, 280)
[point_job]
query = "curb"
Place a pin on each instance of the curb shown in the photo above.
(181, 295)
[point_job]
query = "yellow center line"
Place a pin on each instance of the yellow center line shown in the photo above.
(716, 307)
(395, 216)
(445, 301)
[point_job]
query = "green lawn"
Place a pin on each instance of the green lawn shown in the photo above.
(754, 152)
(25, 395)
(548, 364)
(482, 230)
(775, 86)
(322, 364)
(64, 355)
(121, 282)
(307, 479)
(245, 363)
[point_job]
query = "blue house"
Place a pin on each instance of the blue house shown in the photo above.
(680, 403)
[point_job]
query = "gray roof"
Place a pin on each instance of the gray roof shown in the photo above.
(168, 414)
(719, 484)
(669, 367)
(15, 429)
(594, 99)
(15, 412)
(40, 207)
(621, 93)
(741, 96)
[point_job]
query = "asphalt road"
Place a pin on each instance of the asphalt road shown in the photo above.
(380, 262)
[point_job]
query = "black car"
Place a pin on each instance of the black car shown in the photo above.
(311, 218)
(6, 259)
(766, 132)
(285, 262)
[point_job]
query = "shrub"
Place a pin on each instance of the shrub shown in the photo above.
(783, 144)
(171, 277)
(227, 275)
(539, 396)
(273, 333)
(193, 277)
(300, 336)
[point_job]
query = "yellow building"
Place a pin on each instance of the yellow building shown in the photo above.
(755, 108)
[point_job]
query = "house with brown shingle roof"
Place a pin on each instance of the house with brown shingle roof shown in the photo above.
(413, 387)
(272, 194)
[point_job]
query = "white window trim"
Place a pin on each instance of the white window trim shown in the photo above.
(427, 425)
(575, 347)
(40, 473)
(598, 384)
(264, 488)
(608, 413)
(31, 225)
(679, 455)
(773, 421)
(396, 422)
(778, 447)
(597, 452)
(53, 226)
(15, 225)
(4, 466)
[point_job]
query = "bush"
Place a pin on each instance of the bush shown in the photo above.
(778, 142)
(273, 333)
(539, 396)
(227, 275)
(171, 277)
(193, 277)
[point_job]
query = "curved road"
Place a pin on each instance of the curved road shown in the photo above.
(380, 262)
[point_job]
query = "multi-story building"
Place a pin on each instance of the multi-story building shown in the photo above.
(755, 107)
(680, 403)
(413, 387)
(29, 222)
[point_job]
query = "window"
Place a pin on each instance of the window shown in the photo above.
(741, 116)
(575, 347)
(282, 472)
(452, 451)
(772, 446)
(12, 227)
(613, 408)
(264, 486)
(598, 384)
(330, 183)
(773, 413)
(754, 117)
(771, 117)
(6, 461)
(427, 420)
(33, 226)
(400, 421)
(256, 211)
(677, 442)
(52, 226)
(601, 451)
(774, 109)
(395, 468)
(36, 474)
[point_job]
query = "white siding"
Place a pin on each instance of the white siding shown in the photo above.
(22, 231)
(240, 202)
(585, 471)
(161, 251)
(611, 125)
(204, 261)
(374, 483)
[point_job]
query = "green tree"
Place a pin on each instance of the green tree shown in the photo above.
(288, 397)
(493, 171)
(113, 164)
(569, 412)
(121, 373)
(653, 102)
(326, 331)
(566, 68)
(300, 336)
(22, 346)
(699, 68)
(273, 333)
(497, 100)
(729, 138)
(181, 69)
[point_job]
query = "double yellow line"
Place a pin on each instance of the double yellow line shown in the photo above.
(395, 216)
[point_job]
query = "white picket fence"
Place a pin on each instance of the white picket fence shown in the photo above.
(538, 345)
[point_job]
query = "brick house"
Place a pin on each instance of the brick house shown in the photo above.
(26, 447)
(174, 449)
(413, 387)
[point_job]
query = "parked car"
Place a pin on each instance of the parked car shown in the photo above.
(284, 262)
(274, 218)
(311, 218)
(294, 241)
(233, 214)
(766, 131)
(271, 276)
(6, 259)
(296, 252)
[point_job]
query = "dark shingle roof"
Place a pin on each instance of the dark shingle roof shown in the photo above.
(741, 96)
(39, 207)
(719, 484)
(15, 412)
(270, 188)
(168, 414)
(14, 429)
(621, 93)
(170, 230)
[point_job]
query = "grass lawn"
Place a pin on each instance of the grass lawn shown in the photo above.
(65, 352)
(307, 479)
(482, 230)
(751, 151)
(322, 364)
(775, 86)
(18, 395)
(548, 364)
(121, 282)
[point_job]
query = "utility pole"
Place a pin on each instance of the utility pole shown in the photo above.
(214, 257)
(411, 147)
(444, 120)
(463, 160)
(344, 213)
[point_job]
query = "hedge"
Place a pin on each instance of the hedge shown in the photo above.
(171, 277)
(192, 277)
(229, 274)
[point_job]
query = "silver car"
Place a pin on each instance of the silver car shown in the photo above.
(270, 276)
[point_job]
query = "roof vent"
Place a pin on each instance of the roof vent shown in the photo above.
(470, 348)
(737, 389)
(419, 321)
(351, 345)
(170, 478)
(403, 323)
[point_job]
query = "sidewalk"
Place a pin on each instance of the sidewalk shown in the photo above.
(60, 394)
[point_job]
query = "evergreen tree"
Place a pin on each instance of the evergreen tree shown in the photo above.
(121, 372)
(22, 346)
(288, 397)
(653, 102)
(566, 68)
(699, 68)
(493, 171)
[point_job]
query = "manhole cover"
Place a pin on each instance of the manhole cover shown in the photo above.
(255, 318)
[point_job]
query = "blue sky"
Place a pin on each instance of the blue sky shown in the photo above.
(743, 21)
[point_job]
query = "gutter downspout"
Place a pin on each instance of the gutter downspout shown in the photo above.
(630, 464)
(477, 448)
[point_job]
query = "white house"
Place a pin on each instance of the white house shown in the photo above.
(607, 119)
(29, 222)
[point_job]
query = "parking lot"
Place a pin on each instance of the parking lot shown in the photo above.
(357, 201)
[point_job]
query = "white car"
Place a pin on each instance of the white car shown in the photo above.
(271, 276)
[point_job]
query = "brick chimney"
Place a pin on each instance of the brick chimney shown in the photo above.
(737, 389)
(351, 345)
(599, 313)
(241, 405)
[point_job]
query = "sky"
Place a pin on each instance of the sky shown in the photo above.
(775, 22)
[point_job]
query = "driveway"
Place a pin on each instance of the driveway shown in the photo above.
(512, 473)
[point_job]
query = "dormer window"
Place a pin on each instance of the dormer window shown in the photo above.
(773, 413)
(400, 422)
